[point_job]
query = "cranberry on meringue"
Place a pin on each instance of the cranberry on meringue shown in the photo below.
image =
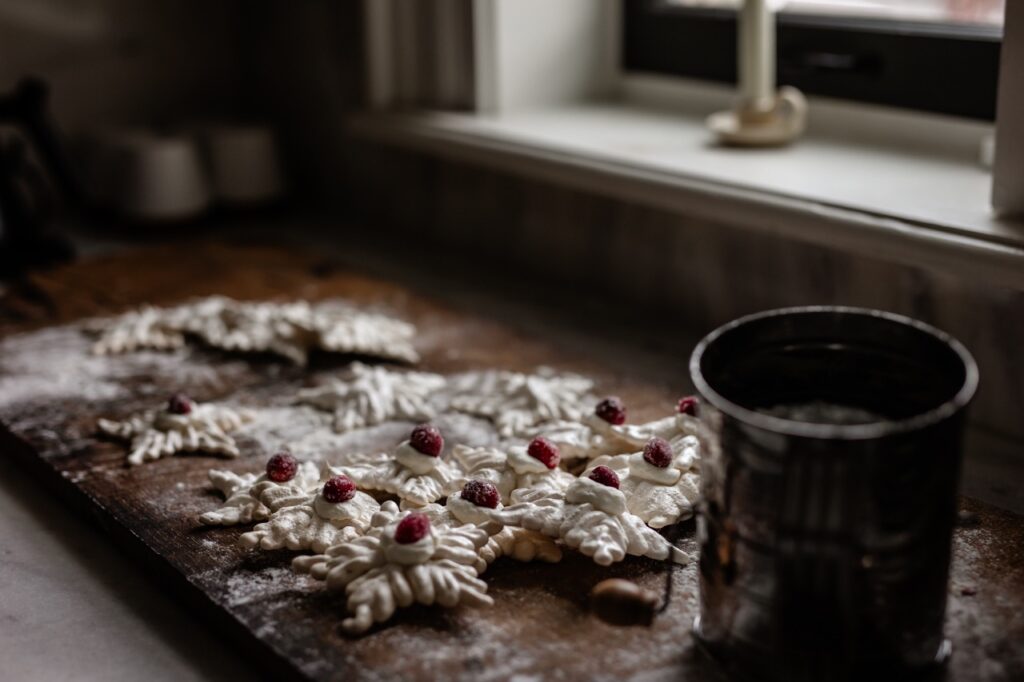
(654, 463)
(688, 405)
(179, 403)
(611, 410)
(600, 489)
(545, 451)
(282, 467)
(421, 453)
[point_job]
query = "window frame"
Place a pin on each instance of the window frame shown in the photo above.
(938, 68)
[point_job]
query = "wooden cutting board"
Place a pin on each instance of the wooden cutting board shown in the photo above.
(52, 392)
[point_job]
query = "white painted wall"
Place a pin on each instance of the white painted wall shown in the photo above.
(1008, 171)
(524, 63)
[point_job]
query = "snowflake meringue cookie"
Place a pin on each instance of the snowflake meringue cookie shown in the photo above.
(239, 505)
(148, 328)
(591, 516)
(659, 483)
(471, 505)
(334, 514)
(401, 560)
(589, 436)
(367, 396)
(575, 440)
(519, 468)
(605, 432)
(290, 330)
(416, 472)
(444, 516)
(293, 329)
(243, 493)
(184, 426)
(516, 403)
(680, 430)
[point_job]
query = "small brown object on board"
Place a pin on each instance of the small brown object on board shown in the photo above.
(621, 602)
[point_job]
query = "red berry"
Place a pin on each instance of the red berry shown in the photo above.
(605, 476)
(412, 528)
(282, 467)
(427, 440)
(339, 489)
(611, 410)
(688, 405)
(544, 450)
(179, 404)
(658, 452)
(482, 494)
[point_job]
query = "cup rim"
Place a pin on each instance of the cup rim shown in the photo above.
(801, 429)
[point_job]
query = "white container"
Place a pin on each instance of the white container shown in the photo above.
(157, 177)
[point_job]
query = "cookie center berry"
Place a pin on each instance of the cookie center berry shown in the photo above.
(412, 528)
(611, 410)
(658, 452)
(179, 403)
(605, 476)
(542, 449)
(282, 467)
(688, 405)
(426, 440)
(482, 494)
(339, 489)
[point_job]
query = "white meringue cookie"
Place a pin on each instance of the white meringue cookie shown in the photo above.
(606, 498)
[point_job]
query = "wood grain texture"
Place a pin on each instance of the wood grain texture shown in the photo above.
(680, 267)
(539, 626)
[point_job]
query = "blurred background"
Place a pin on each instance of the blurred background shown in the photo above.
(561, 144)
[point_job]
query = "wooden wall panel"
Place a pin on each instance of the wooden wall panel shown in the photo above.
(696, 274)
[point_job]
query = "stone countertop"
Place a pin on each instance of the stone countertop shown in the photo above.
(74, 608)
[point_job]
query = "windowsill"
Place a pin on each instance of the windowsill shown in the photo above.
(926, 207)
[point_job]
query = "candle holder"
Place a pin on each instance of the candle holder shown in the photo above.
(781, 122)
(762, 117)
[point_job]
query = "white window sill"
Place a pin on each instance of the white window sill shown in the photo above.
(927, 207)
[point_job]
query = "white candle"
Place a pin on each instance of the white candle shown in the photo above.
(756, 58)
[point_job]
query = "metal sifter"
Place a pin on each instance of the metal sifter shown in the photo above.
(829, 487)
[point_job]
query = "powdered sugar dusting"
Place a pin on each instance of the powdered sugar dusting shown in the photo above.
(310, 434)
(56, 364)
(243, 587)
(274, 428)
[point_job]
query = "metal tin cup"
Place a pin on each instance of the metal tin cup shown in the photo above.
(829, 480)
